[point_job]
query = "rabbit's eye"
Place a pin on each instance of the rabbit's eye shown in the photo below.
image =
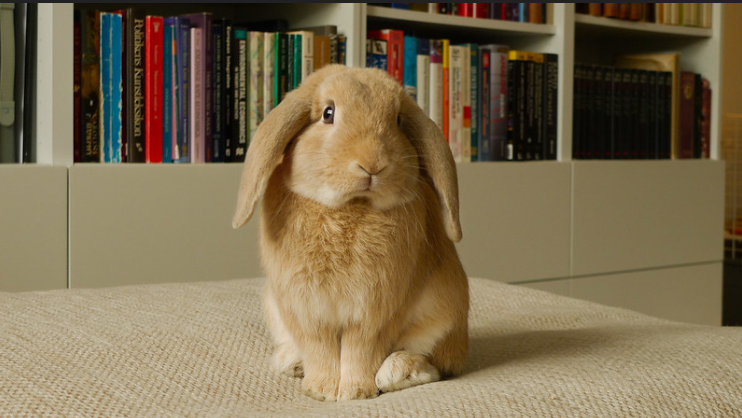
(328, 115)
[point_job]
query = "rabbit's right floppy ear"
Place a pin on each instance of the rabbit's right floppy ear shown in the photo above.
(266, 148)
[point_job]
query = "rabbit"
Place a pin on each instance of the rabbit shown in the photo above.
(365, 291)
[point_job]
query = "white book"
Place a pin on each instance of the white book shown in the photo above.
(436, 83)
(423, 79)
(466, 104)
(197, 140)
(269, 71)
(455, 101)
(255, 89)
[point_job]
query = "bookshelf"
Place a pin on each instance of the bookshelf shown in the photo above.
(600, 230)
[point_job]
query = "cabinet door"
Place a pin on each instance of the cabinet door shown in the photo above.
(133, 224)
(33, 227)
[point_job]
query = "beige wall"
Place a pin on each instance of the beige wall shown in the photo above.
(732, 59)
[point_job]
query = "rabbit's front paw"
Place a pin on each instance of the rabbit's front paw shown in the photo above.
(403, 369)
(365, 389)
(287, 360)
(321, 388)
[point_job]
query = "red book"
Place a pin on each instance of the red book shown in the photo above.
(395, 50)
(706, 120)
(687, 115)
(153, 28)
(482, 10)
(465, 9)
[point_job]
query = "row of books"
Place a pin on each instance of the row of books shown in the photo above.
(492, 103)
(625, 113)
(680, 14)
(515, 12)
(190, 88)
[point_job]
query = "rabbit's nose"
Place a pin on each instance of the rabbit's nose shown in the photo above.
(371, 169)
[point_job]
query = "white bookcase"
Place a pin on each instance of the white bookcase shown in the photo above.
(646, 235)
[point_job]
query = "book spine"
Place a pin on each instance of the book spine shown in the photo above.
(239, 121)
(653, 120)
(697, 116)
(643, 121)
(446, 94)
(255, 90)
(228, 107)
(117, 149)
(455, 102)
(207, 79)
(90, 88)
(706, 119)
(153, 89)
(537, 126)
(436, 82)
(410, 66)
(597, 101)
(168, 43)
(294, 61)
(217, 92)
(197, 96)
(281, 58)
(269, 71)
(183, 43)
(342, 41)
(500, 147)
(516, 103)
(105, 87)
(136, 62)
(530, 107)
(474, 100)
(307, 54)
(376, 53)
(321, 51)
(628, 115)
(423, 75)
(484, 148)
(687, 110)
(589, 113)
(551, 92)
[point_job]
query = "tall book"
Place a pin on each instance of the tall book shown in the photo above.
(269, 71)
(446, 94)
(228, 75)
(111, 87)
(217, 91)
(134, 100)
(169, 128)
(255, 89)
(687, 117)
(204, 22)
(281, 85)
(240, 80)
(422, 88)
(706, 119)
(470, 115)
(198, 91)
(376, 53)
(484, 148)
(90, 86)
(551, 92)
(499, 149)
(183, 92)
(436, 82)
(516, 105)
(154, 28)
(307, 53)
(456, 102)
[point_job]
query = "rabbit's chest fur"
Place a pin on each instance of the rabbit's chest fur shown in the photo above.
(341, 265)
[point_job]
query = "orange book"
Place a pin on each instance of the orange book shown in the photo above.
(610, 10)
(536, 12)
(623, 10)
(596, 9)
(635, 11)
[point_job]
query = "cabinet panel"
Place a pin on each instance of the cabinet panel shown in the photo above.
(33, 227)
(515, 220)
(558, 287)
(640, 214)
(136, 223)
(687, 294)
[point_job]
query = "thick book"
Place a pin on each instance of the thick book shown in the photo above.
(153, 87)
(183, 73)
(198, 92)
(90, 86)
(134, 100)
(203, 21)
(395, 50)
(410, 66)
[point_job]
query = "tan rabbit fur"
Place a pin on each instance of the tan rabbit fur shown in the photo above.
(366, 292)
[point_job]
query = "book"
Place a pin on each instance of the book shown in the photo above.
(281, 86)
(422, 88)
(204, 22)
(135, 85)
(551, 92)
(376, 53)
(182, 153)
(240, 85)
(90, 86)
(410, 66)
(470, 115)
(255, 88)
(322, 48)
(484, 148)
(154, 28)
(76, 76)
(306, 54)
(455, 102)
(516, 103)
(228, 91)
(446, 94)
(686, 115)
(436, 82)
(666, 62)
(111, 87)
(169, 129)
(218, 27)
(269, 71)
(697, 115)
(197, 99)
(706, 119)
(395, 50)
(499, 148)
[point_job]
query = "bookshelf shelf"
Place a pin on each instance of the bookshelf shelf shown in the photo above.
(586, 24)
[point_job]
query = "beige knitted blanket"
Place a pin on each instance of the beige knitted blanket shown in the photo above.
(201, 350)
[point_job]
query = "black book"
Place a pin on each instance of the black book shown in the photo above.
(134, 111)
(551, 93)
(89, 86)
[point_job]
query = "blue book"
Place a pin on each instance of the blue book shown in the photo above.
(167, 89)
(376, 56)
(183, 73)
(105, 86)
(410, 66)
(522, 12)
(117, 89)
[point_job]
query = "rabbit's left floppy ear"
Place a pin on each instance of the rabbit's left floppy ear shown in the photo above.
(437, 161)
(266, 149)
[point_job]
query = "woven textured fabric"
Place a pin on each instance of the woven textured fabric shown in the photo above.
(201, 350)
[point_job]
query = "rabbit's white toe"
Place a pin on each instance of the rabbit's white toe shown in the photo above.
(403, 369)
(287, 360)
